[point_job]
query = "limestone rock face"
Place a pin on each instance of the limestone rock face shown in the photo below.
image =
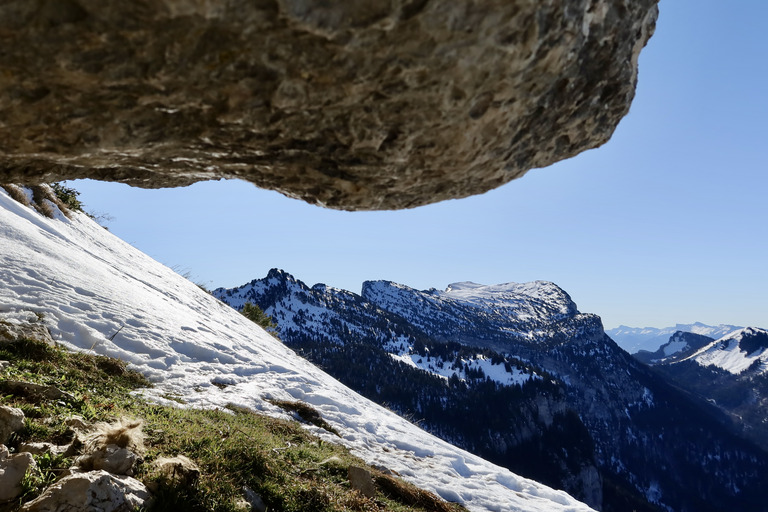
(350, 105)
(111, 458)
(10, 332)
(11, 420)
(12, 471)
(95, 491)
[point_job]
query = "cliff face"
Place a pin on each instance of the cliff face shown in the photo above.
(350, 105)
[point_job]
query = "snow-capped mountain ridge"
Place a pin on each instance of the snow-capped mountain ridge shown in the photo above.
(731, 372)
(482, 295)
(297, 307)
(680, 345)
(594, 393)
(737, 351)
(465, 309)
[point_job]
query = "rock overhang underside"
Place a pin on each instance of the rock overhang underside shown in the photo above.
(348, 105)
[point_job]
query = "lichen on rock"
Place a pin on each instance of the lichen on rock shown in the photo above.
(350, 105)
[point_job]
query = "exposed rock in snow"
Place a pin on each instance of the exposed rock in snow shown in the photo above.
(10, 332)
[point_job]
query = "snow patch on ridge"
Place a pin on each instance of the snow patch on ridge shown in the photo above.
(495, 372)
(734, 353)
(466, 308)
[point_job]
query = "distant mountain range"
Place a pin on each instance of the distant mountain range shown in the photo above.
(635, 339)
(730, 372)
(516, 374)
(680, 345)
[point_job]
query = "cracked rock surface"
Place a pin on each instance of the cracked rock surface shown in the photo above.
(349, 105)
(94, 491)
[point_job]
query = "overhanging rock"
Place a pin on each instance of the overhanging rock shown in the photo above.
(349, 105)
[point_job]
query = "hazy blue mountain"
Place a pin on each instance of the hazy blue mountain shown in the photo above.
(635, 339)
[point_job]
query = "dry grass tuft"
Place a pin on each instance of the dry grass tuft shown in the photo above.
(410, 495)
(41, 195)
(306, 412)
(16, 193)
(43, 199)
(124, 432)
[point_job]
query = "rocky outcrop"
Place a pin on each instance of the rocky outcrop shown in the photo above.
(18, 387)
(178, 469)
(13, 468)
(32, 330)
(351, 105)
(111, 458)
(95, 490)
(11, 420)
(361, 480)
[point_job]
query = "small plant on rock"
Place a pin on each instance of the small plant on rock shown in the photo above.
(68, 196)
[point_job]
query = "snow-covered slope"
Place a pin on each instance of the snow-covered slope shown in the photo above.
(737, 351)
(96, 292)
(635, 339)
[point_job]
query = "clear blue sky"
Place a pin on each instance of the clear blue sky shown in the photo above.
(666, 223)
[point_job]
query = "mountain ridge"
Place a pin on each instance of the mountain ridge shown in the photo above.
(737, 351)
(680, 345)
(631, 414)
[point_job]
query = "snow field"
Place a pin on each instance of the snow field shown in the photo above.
(97, 293)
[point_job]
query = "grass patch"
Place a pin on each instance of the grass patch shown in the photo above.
(306, 412)
(234, 448)
(40, 196)
(16, 193)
